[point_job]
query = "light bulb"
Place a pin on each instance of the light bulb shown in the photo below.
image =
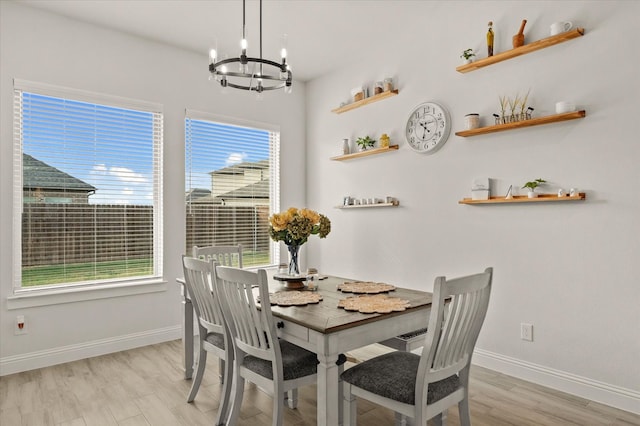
(243, 44)
(212, 56)
(284, 42)
(223, 69)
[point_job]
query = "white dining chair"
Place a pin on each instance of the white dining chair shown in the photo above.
(227, 255)
(425, 386)
(213, 336)
(259, 356)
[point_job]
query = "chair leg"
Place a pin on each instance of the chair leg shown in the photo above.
(402, 420)
(225, 402)
(464, 412)
(237, 392)
(349, 410)
(292, 398)
(340, 395)
(195, 385)
(440, 419)
(278, 405)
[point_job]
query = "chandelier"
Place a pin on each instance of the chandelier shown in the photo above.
(254, 74)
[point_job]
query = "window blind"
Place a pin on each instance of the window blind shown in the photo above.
(87, 187)
(231, 185)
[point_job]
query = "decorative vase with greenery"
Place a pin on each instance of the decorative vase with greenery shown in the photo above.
(365, 142)
(294, 227)
(532, 185)
(468, 55)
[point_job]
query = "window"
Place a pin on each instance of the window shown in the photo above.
(87, 187)
(231, 185)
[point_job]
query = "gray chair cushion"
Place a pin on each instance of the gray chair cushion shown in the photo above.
(216, 339)
(296, 362)
(393, 376)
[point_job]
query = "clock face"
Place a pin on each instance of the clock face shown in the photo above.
(427, 127)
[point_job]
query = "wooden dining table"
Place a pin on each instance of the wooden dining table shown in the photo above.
(328, 331)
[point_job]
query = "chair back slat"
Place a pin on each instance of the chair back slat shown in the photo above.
(197, 276)
(229, 255)
(457, 313)
(252, 328)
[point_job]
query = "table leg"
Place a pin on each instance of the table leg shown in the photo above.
(187, 337)
(328, 398)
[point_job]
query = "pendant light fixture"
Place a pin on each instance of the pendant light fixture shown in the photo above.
(254, 74)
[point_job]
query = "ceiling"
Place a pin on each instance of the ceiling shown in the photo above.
(322, 35)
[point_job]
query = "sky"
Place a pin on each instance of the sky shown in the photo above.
(112, 148)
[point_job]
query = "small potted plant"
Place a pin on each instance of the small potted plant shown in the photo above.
(468, 55)
(532, 185)
(365, 143)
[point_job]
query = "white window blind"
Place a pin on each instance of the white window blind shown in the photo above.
(231, 185)
(87, 187)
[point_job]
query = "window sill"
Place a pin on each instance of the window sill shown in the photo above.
(34, 297)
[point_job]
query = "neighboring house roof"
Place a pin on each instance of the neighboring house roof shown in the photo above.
(197, 193)
(37, 174)
(255, 190)
(241, 167)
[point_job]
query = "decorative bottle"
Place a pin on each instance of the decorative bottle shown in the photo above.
(490, 39)
(345, 146)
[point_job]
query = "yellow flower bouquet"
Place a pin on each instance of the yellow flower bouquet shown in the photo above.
(294, 227)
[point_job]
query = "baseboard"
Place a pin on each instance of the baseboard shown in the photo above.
(593, 390)
(60, 355)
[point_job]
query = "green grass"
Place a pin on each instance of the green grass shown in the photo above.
(79, 272)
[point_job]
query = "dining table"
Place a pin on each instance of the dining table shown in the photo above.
(328, 330)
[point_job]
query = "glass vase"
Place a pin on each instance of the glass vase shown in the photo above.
(294, 250)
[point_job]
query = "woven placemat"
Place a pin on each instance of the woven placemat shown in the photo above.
(365, 287)
(294, 298)
(374, 304)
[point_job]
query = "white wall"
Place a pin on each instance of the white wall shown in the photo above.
(47, 48)
(570, 269)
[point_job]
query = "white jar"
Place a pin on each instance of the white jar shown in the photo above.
(345, 147)
(388, 84)
(472, 121)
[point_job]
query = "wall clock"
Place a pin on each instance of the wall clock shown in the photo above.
(428, 127)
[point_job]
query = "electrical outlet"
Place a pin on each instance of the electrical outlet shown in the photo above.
(20, 326)
(526, 332)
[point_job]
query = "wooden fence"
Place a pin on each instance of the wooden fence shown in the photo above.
(212, 225)
(76, 233)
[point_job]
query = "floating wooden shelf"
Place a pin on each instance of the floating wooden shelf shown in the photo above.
(365, 206)
(525, 123)
(522, 50)
(365, 101)
(365, 153)
(542, 198)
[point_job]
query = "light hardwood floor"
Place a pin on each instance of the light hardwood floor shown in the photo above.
(145, 386)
